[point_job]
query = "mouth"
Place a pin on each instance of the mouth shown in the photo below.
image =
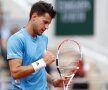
(42, 30)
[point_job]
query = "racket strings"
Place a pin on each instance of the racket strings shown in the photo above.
(69, 55)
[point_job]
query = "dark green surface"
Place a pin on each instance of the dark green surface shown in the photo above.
(74, 27)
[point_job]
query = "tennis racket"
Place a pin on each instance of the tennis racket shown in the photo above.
(68, 60)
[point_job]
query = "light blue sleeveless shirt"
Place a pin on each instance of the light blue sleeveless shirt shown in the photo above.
(23, 46)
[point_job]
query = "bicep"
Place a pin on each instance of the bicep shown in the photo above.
(14, 64)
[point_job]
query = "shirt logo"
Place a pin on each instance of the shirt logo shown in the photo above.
(37, 63)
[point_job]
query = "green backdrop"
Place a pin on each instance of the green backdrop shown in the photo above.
(74, 17)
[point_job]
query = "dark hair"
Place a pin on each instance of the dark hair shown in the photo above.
(41, 8)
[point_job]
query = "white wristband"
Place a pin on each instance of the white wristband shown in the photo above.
(38, 64)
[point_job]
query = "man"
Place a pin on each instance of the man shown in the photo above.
(27, 51)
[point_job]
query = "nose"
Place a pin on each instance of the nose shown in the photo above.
(46, 26)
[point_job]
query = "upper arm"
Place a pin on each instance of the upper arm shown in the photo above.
(14, 53)
(14, 64)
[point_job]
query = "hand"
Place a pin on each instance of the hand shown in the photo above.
(59, 82)
(48, 57)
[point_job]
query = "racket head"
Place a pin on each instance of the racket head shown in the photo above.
(68, 57)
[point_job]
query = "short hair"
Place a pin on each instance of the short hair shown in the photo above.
(41, 8)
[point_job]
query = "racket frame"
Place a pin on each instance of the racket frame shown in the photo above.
(78, 64)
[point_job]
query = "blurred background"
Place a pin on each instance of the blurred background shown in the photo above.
(85, 21)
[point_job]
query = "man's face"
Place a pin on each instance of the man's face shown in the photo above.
(40, 23)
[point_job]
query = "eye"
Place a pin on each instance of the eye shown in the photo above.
(46, 22)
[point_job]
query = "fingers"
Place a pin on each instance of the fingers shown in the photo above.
(59, 82)
(67, 81)
(48, 57)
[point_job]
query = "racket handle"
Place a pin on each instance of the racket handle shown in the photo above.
(64, 88)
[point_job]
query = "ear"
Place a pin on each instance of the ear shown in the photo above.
(34, 16)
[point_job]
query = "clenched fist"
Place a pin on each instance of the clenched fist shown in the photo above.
(48, 57)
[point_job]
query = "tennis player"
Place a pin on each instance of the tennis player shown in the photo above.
(27, 51)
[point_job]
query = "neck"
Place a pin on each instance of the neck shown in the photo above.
(29, 29)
